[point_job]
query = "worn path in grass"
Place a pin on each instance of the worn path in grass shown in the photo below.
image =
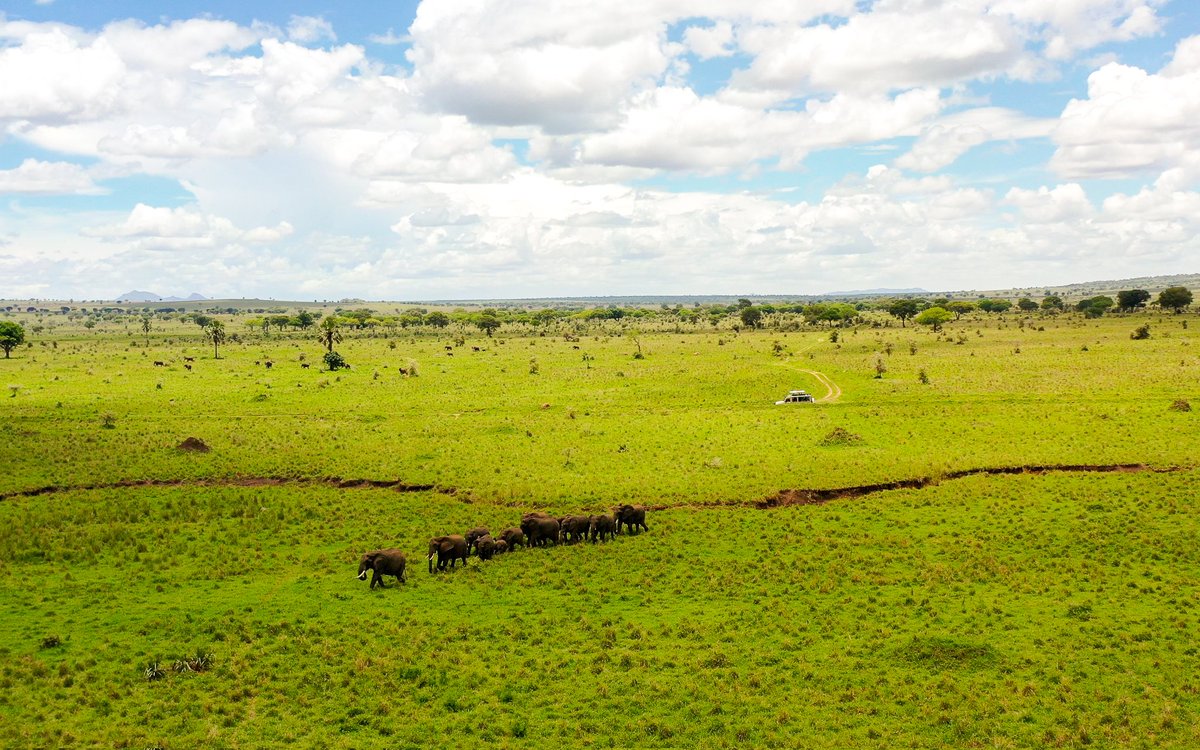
(783, 497)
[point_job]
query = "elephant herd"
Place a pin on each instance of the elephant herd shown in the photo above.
(535, 530)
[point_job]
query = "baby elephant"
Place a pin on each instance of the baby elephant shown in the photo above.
(485, 547)
(501, 546)
(384, 562)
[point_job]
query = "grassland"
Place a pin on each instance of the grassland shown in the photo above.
(991, 611)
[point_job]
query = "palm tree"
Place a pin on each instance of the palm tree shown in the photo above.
(215, 332)
(330, 334)
(146, 326)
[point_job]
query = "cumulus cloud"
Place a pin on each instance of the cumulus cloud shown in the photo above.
(1132, 122)
(309, 29)
(61, 178)
(161, 228)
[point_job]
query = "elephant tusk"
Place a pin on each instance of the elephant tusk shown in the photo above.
(430, 556)
(362, 576)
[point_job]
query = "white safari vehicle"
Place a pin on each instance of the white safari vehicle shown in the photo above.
(797, 397)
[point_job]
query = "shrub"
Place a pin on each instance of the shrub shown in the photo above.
(1180, 405)
(334, 361)
(1140, 333)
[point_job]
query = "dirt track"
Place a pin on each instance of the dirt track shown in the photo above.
(834, 393)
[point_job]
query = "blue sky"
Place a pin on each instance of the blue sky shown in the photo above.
(453, 149)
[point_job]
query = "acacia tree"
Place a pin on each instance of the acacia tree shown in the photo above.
(1129, 300)
(488, 321)
(934, 317)
(903, 309)
(751, 317)
(1175, 297)
(1052, 302)
(215, 332)
(959, 307)
(12, 335)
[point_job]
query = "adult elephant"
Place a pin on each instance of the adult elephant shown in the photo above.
(630, 516)
(574, 528)
(540, 529)
(475, 534)
(383, 562)
(449, 550)
(513, 537)
(601, 526)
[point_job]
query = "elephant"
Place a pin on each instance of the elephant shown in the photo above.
(540, 529)
(630, 516)
(501, 546)
(485, 547)
(574, 528)
(383, 562)
(601, 526)
(476, 533)
(512, 537)
(449, 550)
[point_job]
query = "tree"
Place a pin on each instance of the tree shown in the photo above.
(994, 305)
(12, 335)
(146, 326)
(903, 309)
(329, 333)
(305, 319)
(1129, 300)
(215, 332)
(751, 317)
(1176, 298)
(437, 319)
(488, 321)
(934, 317)
(1052, 302)
(1027, 304)
(960, 307)
(1094, 307)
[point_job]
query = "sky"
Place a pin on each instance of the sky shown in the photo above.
(465, 149)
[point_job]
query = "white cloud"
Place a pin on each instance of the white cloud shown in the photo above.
(1132, 122)
(389, 38)
(309, 29)
(707, 42)
(61, 178)
(1047, 206)
(160, 228)
(951, 136)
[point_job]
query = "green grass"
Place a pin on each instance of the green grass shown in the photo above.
(989, 611)
(1011, 612)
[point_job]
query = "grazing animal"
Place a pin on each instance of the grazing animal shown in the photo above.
(630, 516)
(157, 363)
(474, 534)
(601, 526)
(449, 550)
(448, 347)
(257, 363)
(384, 562)
(574, 528)
(304, 365)
(187, 367)
(485, 547)
(189, 359)
(474, 348)
(403, 370)
(501, 546)
(575, 346)
(540, 529)
(268, 364)
(513, 537)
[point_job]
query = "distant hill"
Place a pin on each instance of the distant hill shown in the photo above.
(137, 296)
(1082, 289)
(875, 292)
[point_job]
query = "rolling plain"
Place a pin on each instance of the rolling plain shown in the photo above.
(1053, 603)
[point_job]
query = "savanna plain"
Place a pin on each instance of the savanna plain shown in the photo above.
(159, 597)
